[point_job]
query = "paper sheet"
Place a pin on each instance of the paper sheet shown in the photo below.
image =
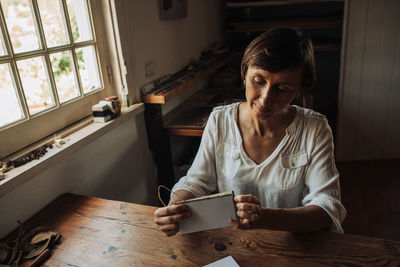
(209, 212)
(224, 262)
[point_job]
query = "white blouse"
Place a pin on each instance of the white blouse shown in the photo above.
(301, 171)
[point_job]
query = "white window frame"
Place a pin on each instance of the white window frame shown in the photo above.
(31, 129)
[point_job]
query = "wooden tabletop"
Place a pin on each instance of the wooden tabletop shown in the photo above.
(100, 232)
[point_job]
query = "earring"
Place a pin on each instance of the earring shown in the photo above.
(244, 81)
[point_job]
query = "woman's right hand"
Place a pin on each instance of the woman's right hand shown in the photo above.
(167, 218)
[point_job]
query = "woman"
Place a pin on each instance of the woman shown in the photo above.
(277, 158)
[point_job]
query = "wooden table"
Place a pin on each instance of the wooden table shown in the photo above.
(99, 232)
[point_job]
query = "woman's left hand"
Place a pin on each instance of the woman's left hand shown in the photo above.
(248, 210)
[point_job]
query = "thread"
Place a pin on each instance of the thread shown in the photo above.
(159, 195)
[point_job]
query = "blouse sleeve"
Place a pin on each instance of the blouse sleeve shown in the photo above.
(322, 177)
(200, 179)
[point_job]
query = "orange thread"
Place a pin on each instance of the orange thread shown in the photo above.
(159, 195)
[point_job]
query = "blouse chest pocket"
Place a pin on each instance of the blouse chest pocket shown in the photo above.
(228, 160)
(290, 170)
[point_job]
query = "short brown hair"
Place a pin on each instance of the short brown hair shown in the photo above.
(281, 48)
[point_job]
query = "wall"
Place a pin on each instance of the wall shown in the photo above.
(369, 121)
(116, 166)
(170, 44)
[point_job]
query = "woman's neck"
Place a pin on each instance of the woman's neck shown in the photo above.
(271, 127)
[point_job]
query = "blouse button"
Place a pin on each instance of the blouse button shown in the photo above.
(235, 155)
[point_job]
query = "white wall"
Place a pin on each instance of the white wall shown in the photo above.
(170, 44)
(369, 108)
(115, 166)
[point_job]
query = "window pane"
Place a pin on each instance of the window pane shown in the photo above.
(10, 109)
(18, 14)
(80, 20)
(88, 68)
(2, 46)
(36, 84)
(63, 69)
(53, 22)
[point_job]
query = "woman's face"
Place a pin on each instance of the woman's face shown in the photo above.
(268, 94)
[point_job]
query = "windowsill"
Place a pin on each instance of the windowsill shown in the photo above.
(76, 140)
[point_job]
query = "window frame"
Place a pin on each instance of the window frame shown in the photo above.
(33, 128)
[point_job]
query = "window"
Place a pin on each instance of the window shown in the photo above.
(50, 67)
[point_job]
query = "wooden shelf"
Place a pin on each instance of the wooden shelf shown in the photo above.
(185, 132)
(188, 120)
(301, 23)
(162, 99)
(326, 47)
(276, 3)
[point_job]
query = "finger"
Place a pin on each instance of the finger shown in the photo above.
(245, 223)
(242, 214)
(171, 233)
(251, 208)
(234, 223)
(247, 198)
(239, 225)
(169, 210)
(168, 227)
(246, 215)
(172, 218)
(251, 217)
